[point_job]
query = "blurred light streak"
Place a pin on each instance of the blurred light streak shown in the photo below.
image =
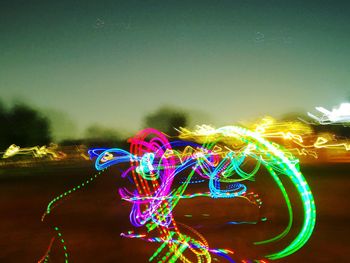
(36, 151)
(299, 138)
(338, 115)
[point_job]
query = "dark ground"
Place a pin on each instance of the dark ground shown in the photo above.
(92, 219)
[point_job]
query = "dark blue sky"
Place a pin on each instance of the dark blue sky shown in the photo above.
(111, 62)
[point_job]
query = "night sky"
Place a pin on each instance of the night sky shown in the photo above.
(112, 62)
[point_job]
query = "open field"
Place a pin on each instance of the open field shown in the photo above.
(92, 219)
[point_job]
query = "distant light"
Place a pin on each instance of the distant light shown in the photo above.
(338, 115)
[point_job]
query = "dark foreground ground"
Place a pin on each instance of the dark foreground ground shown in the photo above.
(91, 220)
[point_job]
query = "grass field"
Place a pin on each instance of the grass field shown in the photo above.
(92, 219)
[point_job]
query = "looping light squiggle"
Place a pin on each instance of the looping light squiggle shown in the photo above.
(156, 163)
(162, 172)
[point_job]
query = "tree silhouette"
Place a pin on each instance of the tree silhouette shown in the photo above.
(166, 119)
(4, 130)
(23, 126)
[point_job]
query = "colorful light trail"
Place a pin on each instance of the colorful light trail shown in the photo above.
(162, 171)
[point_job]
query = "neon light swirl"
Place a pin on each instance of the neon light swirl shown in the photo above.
(155, 163)
(162, 171)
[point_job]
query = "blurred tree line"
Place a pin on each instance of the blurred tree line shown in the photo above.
(25, 126)
(99, 136)
(165, 119)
